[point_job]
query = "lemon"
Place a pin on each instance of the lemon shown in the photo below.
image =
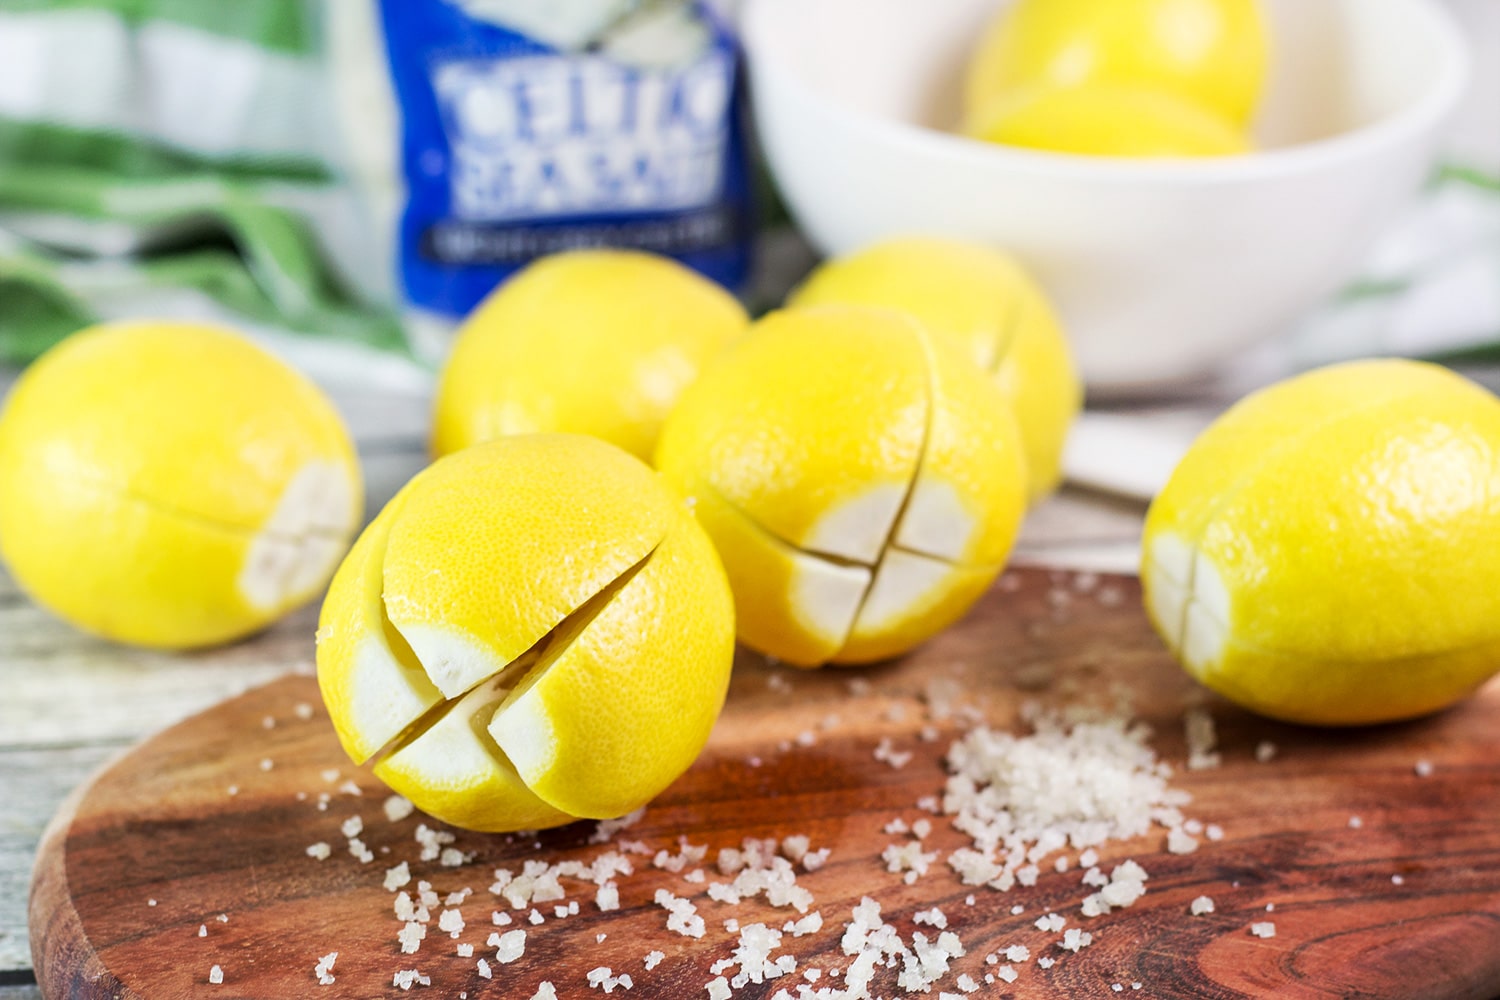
(862, 480)
(1213, 53)
(1324, 552)
(172, 485)
(984, 301)
(1099, 120)
(534, 630)
(598, 342)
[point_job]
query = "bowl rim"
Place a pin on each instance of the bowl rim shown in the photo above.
(1423, 115)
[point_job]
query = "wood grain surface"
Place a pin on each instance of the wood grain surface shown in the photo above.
(1405, 904)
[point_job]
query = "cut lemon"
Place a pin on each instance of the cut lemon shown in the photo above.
(1320, 555)
(533, 631)
(984, 301)
(862, 480)
(172, 485)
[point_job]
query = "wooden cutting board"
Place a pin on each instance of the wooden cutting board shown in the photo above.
(154, 872)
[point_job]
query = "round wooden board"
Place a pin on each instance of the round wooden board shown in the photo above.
(161, 825)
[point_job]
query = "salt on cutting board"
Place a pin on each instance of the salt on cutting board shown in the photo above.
(813, 849)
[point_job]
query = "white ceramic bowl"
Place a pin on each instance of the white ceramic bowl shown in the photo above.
(1161, 269)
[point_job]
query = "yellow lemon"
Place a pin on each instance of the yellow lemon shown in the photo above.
(172, 485)
(862, 480)
(597, 342)
(534, 630)
(1325, 551)
(984, 301)
(1106, 121)
(1213, 53)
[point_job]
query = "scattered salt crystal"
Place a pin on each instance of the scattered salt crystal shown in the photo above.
(484, 969)
(203, 930)
(545, 991)
(511, 946)
(464, 950)
(216, 975)
(266, 763)
(1265, 751)
(718, 989)
(350, 788)
(1017, 953)
(324, 969)
(1074, 940)
(535, 917)
(235, 790)
(397, 808)
(1423, 768)
(1046, 963)
(150, 902)
(933, 917)
(1355, 822)
(407, 978)
(359, 850)
(320, 850)
(1008, 973)
(1201, 905)
(396, 877)
(1214, 832)
(222, 918)
(1397, 880)
(451, 921)
(302, 710)
(608, 897)
(269, 722)
(1265, 929)
(411, 935)
(1180, 842)
(1051, 922)
(653, 959)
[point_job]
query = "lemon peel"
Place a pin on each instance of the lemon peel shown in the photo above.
(171, 484)
(598, 342)
(533, 631)
(985, 302)
(852, 470)
(1311, 558)
(1214, 53)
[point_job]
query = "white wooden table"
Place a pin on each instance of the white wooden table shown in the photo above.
(68, 703)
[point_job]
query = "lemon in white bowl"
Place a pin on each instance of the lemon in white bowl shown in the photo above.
(1161, 269)
(1325, 552)
(1214, 54)
(172, 485)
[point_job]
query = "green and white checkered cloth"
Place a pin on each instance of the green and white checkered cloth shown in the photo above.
(182, 158)
(173, 157)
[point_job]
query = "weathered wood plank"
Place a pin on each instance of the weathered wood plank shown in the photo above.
(32, 785)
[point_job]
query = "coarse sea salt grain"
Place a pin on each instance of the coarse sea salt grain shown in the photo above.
(324, 969)
(511, 946)
(1263, 929)
(1201, 905)
(320, 851)
(396, 877)
(1023, 797)
(216, 975)
(397, 808)
(653, 959)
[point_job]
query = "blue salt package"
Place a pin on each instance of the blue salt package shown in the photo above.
(534, 126)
